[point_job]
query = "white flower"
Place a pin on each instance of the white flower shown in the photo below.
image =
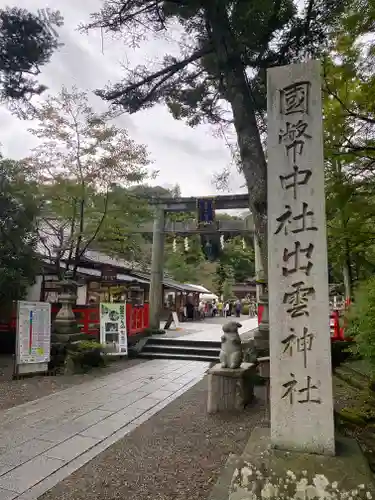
(368, 496)
(335, 485)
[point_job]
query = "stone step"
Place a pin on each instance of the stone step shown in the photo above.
(187, 357)
(167, 348)
(186, 349)
(184, 342)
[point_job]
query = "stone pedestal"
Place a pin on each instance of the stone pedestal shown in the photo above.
(230, 389)
(263, 473)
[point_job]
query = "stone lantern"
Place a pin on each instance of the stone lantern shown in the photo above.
(65, 324)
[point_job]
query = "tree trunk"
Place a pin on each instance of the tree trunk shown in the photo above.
(347, 281)
(236, 89)
(347, 271)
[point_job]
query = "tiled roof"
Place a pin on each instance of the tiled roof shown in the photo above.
(49, 243)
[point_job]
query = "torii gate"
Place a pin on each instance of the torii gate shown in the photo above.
(161, 227)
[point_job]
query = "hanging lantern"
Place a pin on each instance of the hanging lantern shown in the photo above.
(222, 243)
(174, 245)
(186, 243)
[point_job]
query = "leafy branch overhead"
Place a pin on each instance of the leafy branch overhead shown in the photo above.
(27, 42)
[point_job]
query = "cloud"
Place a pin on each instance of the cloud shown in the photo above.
(182, 155)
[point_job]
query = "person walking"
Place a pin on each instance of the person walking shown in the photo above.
(220, 308)
(226, 310)
(238, 308)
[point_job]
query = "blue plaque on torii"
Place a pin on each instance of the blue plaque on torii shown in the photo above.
(206, 211)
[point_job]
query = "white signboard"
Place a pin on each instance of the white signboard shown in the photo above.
(113, 334)
(33, 343)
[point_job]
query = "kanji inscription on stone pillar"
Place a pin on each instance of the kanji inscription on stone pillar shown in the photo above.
(300, 348)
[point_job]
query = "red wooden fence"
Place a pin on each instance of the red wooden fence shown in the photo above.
(88, 319)
(337, 331)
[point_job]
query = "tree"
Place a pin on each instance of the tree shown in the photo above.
(226, 47)
(185, 265)
(80, 159)
(239, 259)
(18, 236)
(27, 42)
(349, 113)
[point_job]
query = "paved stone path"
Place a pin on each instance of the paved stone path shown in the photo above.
(207, 329)
(44, 441)
(214, 332)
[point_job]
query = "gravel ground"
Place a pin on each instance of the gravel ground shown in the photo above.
(177, 454)
(16, 392)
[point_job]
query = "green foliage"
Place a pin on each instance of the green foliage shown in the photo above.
(245, 309)
(228, 288)
(81, 160)
(18, 236)
(153, 331)
(184, 265)
(349, 112)
(239, 259)
(362, 322)
(220, 75)
(27, 42)
(85, 355)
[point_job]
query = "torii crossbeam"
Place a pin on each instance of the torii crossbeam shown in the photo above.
(161, 227)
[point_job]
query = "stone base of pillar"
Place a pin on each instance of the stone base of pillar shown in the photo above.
(230, 389)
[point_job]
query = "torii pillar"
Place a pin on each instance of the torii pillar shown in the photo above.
(157, 269)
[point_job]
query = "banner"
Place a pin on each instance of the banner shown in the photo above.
(113, 334)
(33, 342)
(206, 211)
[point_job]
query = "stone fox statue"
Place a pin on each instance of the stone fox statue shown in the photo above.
(231, 355)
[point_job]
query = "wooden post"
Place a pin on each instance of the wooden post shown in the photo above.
(157, 264)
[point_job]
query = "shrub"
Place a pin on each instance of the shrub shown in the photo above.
(340, 352)
(153, 331)
(245, 309)
(361, 323)
(84, 355)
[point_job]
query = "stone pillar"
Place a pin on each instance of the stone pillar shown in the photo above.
(300, 344)
(157, 264)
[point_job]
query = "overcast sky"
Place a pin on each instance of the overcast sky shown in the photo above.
(186, 156)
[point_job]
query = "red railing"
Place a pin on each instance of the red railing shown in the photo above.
(137, 318)
(337, 331)
(88, 319)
